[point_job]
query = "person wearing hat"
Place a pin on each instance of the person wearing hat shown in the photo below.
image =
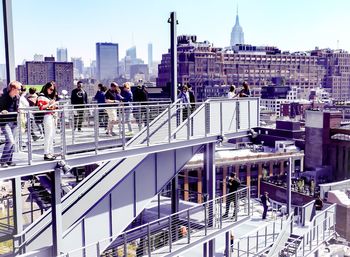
(265, 200)
(233, 184)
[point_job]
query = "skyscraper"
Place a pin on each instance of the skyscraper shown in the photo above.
(78, 65)
(237, 35)
(62, 55)
(107, 60)
(131, 52)
(150, 57)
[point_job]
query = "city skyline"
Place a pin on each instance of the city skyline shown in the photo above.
(83, 23)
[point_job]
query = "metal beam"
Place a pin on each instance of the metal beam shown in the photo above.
(17, 203)
(88, 158)
(56, 212)
(8, 40)
(289, 185)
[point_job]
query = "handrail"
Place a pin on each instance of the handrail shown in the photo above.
(158, 221)
(281, 239)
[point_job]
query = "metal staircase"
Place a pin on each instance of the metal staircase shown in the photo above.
(112, 196)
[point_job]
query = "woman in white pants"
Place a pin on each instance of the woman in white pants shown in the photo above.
(47, 102)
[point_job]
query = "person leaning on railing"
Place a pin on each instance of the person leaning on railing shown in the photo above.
(8, 121)
(47, 102)
(127, 99)
(112, 96)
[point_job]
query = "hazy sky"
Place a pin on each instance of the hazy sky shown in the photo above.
(40, 26)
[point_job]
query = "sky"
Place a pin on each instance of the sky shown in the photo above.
(41, 26)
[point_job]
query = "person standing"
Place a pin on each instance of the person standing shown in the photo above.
(47, 103)
(245, 92)
(140, 96)
(127, 99)
(79, 97)
(184, 97)
(8, 121)
(233, 185)
(100, 98)
(191, 97)
(112, 96)
(265, 200)
(231, 93)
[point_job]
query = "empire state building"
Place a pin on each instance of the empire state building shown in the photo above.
(237, 35)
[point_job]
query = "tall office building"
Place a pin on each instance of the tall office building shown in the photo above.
(150, 57)
(78, 65)
(107, 60)
(62, 55)
(237, 35)
(131, 52)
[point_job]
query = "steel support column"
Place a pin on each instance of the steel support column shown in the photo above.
(227, 244)
(17, 205)
(56, 212)
(8, 40)
(174, 195)
(289, 185)
(212, 248)
(210, 180)
(173, 50)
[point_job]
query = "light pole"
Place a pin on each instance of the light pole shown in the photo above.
(173, 51)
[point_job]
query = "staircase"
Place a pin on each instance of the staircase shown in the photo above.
(117, 192)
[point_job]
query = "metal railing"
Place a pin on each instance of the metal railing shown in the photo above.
(321, 230)
(92, 126)
(171, 232)
(257, 241)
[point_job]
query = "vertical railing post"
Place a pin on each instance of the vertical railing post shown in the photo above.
(304, 246)
(126, 245)
(63, 135)
(148, 240)
(31, 208)
(188, 227)
(98, 252)
(96, 127)
(29, 137)
(257, 241)
(238, 125)
(188, 123)
(249, 211)
(170, 234)
(169, 123)
(220, 212)
(248, 246)
(265, 236)
(123, 127)
(236, 203)
(207, 119)
(221, 119)
(273, 230)
(148, 132)
(20, 137)
(205, 219)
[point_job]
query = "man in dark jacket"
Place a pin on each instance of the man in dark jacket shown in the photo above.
(233, 185)
(8, 121)
(140, 95)
(265, 200)
(79, 98)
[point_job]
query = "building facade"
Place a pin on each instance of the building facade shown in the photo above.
(107, 61)
(39, 73)
(337, 66)
(203, 65)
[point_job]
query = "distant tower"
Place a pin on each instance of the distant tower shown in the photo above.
(150, 56)
(237, 35)
(62, 55)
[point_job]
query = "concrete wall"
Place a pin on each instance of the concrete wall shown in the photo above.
(343, 221)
